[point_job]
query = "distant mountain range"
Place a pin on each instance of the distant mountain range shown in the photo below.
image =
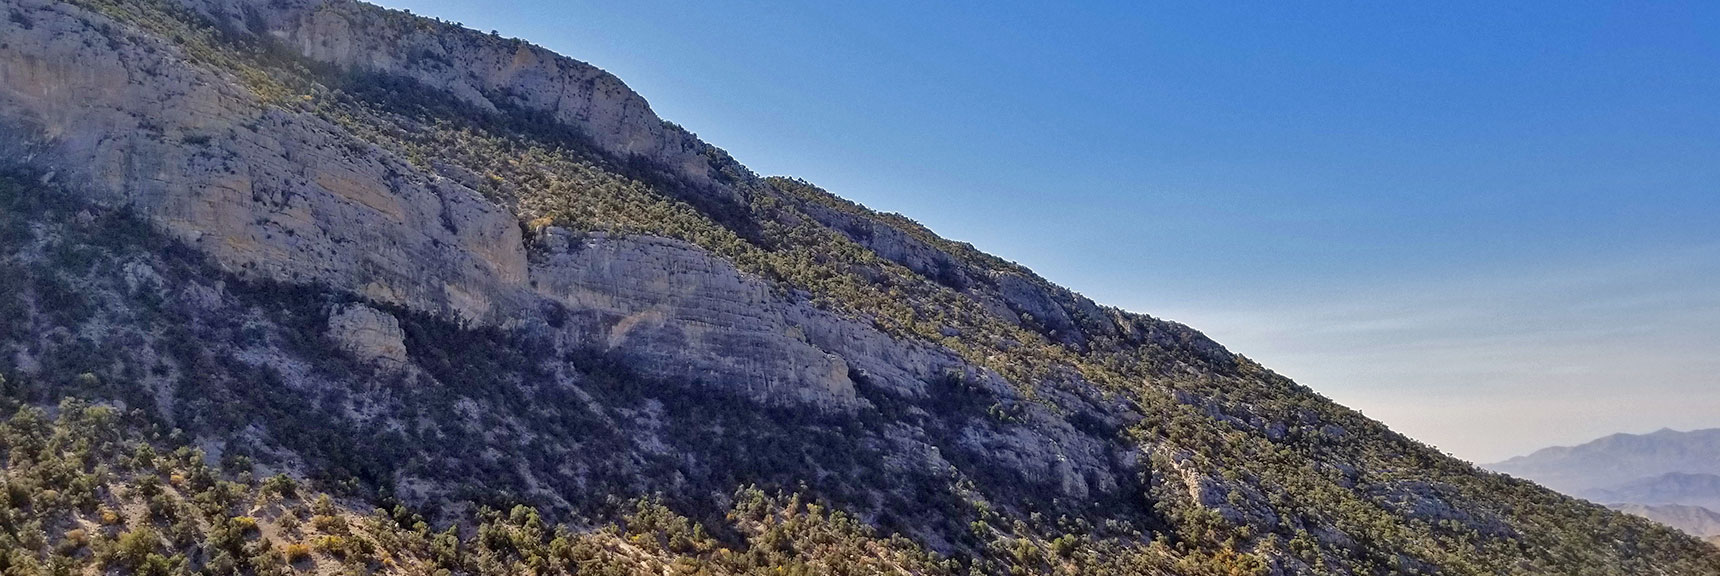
(1670, 488)
(1668, 476)
(1618, 459)
(1695, 520)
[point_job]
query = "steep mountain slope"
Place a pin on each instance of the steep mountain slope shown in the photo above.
(1609, 462)
(408, 263)
(1693, 520)
(127, 503)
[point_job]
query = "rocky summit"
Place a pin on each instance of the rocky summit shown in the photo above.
(312, 285)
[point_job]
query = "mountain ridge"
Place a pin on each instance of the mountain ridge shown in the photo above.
(1694, 520)
(1669, 488)
(590, 301)
(1662, 475)
(1607, 462)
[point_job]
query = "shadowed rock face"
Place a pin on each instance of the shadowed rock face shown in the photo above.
(277, 193)
(665, 306)
(288, 196)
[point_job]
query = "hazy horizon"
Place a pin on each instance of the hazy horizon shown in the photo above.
(1490, 227)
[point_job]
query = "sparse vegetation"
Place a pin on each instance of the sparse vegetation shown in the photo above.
(1239, 471)
(87, 449)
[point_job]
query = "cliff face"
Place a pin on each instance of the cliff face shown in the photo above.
(122, 117)
(432, 265)
(281, 194)
(290, 197)
(487, 72)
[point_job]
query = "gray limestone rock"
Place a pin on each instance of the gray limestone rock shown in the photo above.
(369, 334)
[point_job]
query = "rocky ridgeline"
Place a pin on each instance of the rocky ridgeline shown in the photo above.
(276, 193)
(410, 328)
(265, 191)
(289, 196)
(485, 71)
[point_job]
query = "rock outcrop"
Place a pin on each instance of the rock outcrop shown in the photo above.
(486, 71)
(279, 193)
(369, 334)
(512, 282)
(264, 190)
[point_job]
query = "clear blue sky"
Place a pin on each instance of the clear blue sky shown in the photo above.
(1493, 225)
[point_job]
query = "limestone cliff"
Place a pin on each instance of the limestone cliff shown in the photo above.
(416, 263)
